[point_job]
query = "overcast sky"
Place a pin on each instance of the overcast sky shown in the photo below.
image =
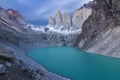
(40, 10)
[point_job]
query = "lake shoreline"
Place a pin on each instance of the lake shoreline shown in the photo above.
(20, 53)
(76, 64)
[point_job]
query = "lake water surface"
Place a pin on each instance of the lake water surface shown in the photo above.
(76, 65)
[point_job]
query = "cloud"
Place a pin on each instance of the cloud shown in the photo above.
(34, 10)
(50, 8)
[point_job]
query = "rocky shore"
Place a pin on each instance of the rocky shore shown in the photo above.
(13, 60)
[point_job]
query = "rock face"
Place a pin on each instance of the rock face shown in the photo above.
(61, 39)
(100, 32)
(59, 19)
(76, 21)
(80, 16)
(66, 20)
(15, 16)
(50, 21)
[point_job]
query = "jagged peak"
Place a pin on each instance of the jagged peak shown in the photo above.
(59, 12)
(59, 19)
(50, 21)
(67, 19)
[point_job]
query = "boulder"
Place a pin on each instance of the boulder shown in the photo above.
(2, 69)
(6, 54)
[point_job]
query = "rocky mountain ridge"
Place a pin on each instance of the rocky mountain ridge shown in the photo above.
(100, 32)
(12, 15)
(71, 23)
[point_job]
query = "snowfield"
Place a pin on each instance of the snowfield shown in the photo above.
(54, 29)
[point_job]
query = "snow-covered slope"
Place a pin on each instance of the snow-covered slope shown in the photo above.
(54, 29)
(64, 32)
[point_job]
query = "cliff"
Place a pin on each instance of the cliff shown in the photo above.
(100, 32)
(80, 16)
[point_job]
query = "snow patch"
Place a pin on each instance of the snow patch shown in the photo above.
(55, 29)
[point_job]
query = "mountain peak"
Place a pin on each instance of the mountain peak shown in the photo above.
(50, 21)
(59, 19)
(66, 19)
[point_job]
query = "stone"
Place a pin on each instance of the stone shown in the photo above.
(59, 18)
(50, 21)
(7, 55)
(46, 29)
(2, 69)
(66, 20)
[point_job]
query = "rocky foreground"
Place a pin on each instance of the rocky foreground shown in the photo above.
(15, 65)
(12, 68)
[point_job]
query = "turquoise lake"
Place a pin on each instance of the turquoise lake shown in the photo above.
(76, 65)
